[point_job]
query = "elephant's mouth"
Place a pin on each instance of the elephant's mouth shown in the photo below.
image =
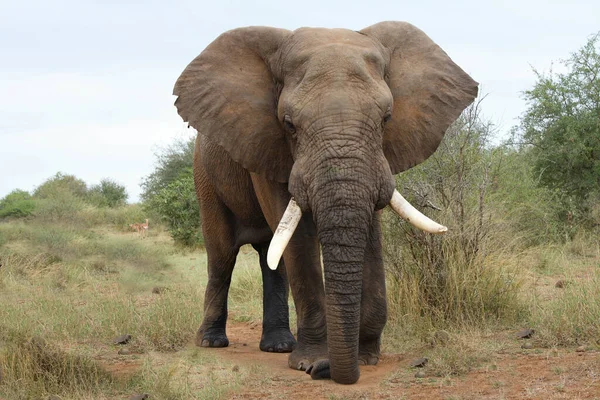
(292, 216)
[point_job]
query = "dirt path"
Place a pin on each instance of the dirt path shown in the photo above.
(545, 375)
(291, 384)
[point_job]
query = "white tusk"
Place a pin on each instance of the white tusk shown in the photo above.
(283, 234)
(414, 216)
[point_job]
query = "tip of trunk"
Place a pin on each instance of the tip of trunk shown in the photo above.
(346, 379)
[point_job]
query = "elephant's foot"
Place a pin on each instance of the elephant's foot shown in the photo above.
(278, 341)
(212, 338)
(320, 369)
(369, 351)
(305, 355)
(367, 359)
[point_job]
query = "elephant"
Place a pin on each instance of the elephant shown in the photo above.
(299, 136)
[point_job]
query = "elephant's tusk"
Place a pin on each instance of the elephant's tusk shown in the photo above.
(283, 234)
(414, 216)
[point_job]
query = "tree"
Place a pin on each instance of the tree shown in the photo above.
(562, 128)
(169, 192)
(178, 208)
(108, 193)
(17, 203)
(171, 162)
(61, 185)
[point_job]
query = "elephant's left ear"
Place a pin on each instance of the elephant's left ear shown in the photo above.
(429, 89)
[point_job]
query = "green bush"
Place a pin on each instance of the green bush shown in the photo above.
(170, 162)
(169, 193)
(107, 193)
(178, 209)
(60, 184)
(120, 217)
(61, 206)
(66, 198)
(17, 203)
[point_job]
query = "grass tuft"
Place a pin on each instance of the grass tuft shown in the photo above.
(572, 316)
(44, 369)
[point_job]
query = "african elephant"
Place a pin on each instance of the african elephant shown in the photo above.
(324, 117)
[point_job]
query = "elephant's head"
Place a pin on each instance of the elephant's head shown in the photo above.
(334, 113)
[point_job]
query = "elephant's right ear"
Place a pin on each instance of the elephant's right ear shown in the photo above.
(229, 94)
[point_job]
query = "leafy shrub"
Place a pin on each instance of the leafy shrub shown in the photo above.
(178, 208)
(62, 206)
(17, 203)
(521, 206)
(170, 163)
(60, 184)
(169, 193)
(107, 193)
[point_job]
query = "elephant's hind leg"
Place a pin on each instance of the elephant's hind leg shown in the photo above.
(276, 334)
(219, 240)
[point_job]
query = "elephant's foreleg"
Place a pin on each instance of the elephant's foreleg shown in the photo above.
(276, 335)
(303, 265)
(373, 300)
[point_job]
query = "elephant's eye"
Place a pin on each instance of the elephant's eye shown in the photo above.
(289, 126)
(387, 116)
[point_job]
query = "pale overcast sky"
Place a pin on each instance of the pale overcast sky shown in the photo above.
(85, 86)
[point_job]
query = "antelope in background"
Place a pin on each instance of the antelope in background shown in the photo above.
(140, 228)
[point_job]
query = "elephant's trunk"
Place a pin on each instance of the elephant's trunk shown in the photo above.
(343, 223)
(343, 288)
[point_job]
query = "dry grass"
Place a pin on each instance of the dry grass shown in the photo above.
(42, 368)
(448, 282)
(568, 315)
(77, 289)
(483, 302)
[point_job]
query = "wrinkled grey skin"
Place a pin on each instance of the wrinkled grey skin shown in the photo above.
(326, 116)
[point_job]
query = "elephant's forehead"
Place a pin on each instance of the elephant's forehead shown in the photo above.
(330, 47)
(307, 39)
(327, 35)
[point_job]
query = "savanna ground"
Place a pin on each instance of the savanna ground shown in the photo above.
(71, 283)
